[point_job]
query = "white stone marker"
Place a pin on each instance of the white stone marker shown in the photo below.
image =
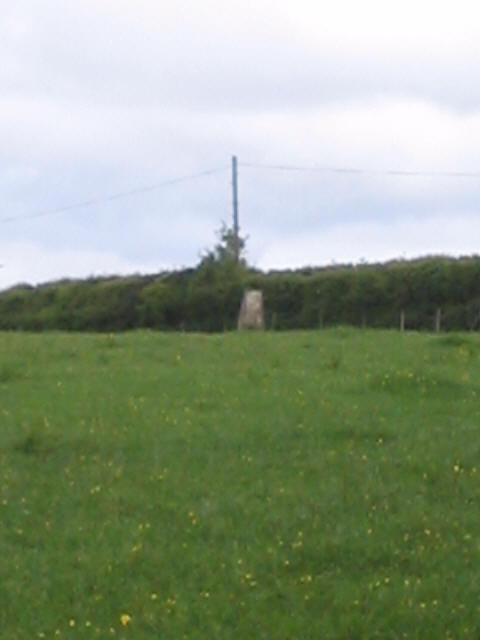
(251, 311)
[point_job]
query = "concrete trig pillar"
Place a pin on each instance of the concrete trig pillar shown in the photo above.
(251, 311)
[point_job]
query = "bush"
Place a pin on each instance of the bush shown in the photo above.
(208, 298)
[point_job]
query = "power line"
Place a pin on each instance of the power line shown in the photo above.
(249, 165)
(351, 170)
(115, 196)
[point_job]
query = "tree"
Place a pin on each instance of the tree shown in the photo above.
(215, 290)
(229, 249)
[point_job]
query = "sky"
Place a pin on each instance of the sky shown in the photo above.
(351, 123)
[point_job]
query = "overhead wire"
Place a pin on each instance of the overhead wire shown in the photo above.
(352, 170)
(248, 165)
(116, 196)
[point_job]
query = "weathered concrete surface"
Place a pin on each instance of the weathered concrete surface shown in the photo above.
(251, 311)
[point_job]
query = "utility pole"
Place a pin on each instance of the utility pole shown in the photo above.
(235, 207)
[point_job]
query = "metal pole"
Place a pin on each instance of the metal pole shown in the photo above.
(235, 206)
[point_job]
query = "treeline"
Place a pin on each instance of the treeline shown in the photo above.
(207, 298)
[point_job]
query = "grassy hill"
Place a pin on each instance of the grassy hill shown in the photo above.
(279, 485)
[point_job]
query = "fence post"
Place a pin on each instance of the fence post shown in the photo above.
(402, 320)
(438, 319)
(273, 322)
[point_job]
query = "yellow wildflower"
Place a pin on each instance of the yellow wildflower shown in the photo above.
(125, 619)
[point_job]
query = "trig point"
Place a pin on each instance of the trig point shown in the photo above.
(251, 311)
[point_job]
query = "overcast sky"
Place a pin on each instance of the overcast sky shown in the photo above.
(103, 97)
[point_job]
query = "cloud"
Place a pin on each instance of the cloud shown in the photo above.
(341, 243)
(27, 263)
(244, 56)
(375, 241)
(103, 97)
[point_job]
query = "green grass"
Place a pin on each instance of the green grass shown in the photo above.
(305, 485)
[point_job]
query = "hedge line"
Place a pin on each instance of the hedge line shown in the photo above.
(208, 298)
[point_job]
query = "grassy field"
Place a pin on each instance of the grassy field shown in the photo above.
(304, 485)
